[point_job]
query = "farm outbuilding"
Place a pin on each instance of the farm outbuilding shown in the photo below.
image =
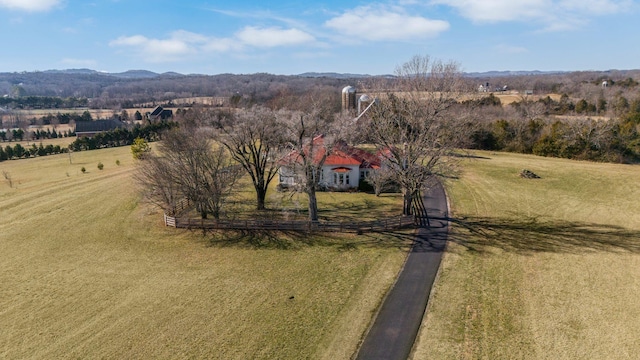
(91, 128)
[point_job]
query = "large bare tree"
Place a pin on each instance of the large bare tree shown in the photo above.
(311, 136)
(414, 128)
(254, 138)
(192, 166)
(156, 177)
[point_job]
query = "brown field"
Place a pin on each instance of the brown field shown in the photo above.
(87, 271)
(538, 269)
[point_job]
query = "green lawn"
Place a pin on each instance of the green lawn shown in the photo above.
(538, 269)
(87, 270)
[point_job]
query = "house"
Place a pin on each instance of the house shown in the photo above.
(343, 168)
(91, 128)
(159, 114)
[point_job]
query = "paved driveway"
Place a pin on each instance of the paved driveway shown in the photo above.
(394, 330)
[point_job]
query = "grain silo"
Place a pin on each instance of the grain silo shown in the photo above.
(348, 98)
(363, 102)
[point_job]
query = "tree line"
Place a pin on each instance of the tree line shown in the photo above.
(538, 127)
(42, 102)
(112, 138)
(122, 136)
(20, 152)
(20, 135)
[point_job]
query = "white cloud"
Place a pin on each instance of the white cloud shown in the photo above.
(552, 14)
(222, 45)
(596, 7)
(29, 5)
(273, 37)
(379, 23)
(182, 44)
(497, 10)
(136, 40)
(179, 45)
(262, 16)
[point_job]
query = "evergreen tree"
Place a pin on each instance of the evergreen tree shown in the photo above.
(9, 152)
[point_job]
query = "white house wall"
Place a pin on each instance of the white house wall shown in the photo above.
(288, 177)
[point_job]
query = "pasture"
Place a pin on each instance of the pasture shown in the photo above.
(538, 269)
(88, 271)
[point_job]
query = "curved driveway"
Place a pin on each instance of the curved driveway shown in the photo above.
(396, 326)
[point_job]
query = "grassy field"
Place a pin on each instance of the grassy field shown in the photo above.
(88, 271)
(539, 269)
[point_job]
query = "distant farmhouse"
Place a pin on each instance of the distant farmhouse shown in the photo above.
(486, 87)
(91, 128)
(159, 114)
(343, 169)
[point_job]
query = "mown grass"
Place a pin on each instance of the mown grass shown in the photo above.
(538, 269)
(332, 206)
(88, 271)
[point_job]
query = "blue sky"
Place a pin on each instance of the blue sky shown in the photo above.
(292, 37)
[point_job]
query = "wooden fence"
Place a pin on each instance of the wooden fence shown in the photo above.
(387, 224)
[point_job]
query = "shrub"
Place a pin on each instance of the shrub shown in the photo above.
(140, 148)
(100, 166)
(83, 170)
(118, 162)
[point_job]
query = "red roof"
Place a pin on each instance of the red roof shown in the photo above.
(342, 154)
(338, 157)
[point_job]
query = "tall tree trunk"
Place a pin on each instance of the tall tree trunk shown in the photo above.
(313, 204)
(407, 200)
(261, 194)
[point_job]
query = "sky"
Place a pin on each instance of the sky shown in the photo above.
(293, 37)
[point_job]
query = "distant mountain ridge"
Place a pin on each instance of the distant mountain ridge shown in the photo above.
(129, 74)
(142, 86)
(512, 73)
(146, 74)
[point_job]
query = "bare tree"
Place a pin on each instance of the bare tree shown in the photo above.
(310, 136)
(414, 129)
(528, 110)
(203, 170)
(157, 179)
(190, 165)
(253, 139)
(380, 179)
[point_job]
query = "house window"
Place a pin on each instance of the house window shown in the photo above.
(341, 178)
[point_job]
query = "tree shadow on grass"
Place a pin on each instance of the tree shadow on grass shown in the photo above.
(295, 240)
(534, 235)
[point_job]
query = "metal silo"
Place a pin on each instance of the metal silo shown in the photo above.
(348, 98)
